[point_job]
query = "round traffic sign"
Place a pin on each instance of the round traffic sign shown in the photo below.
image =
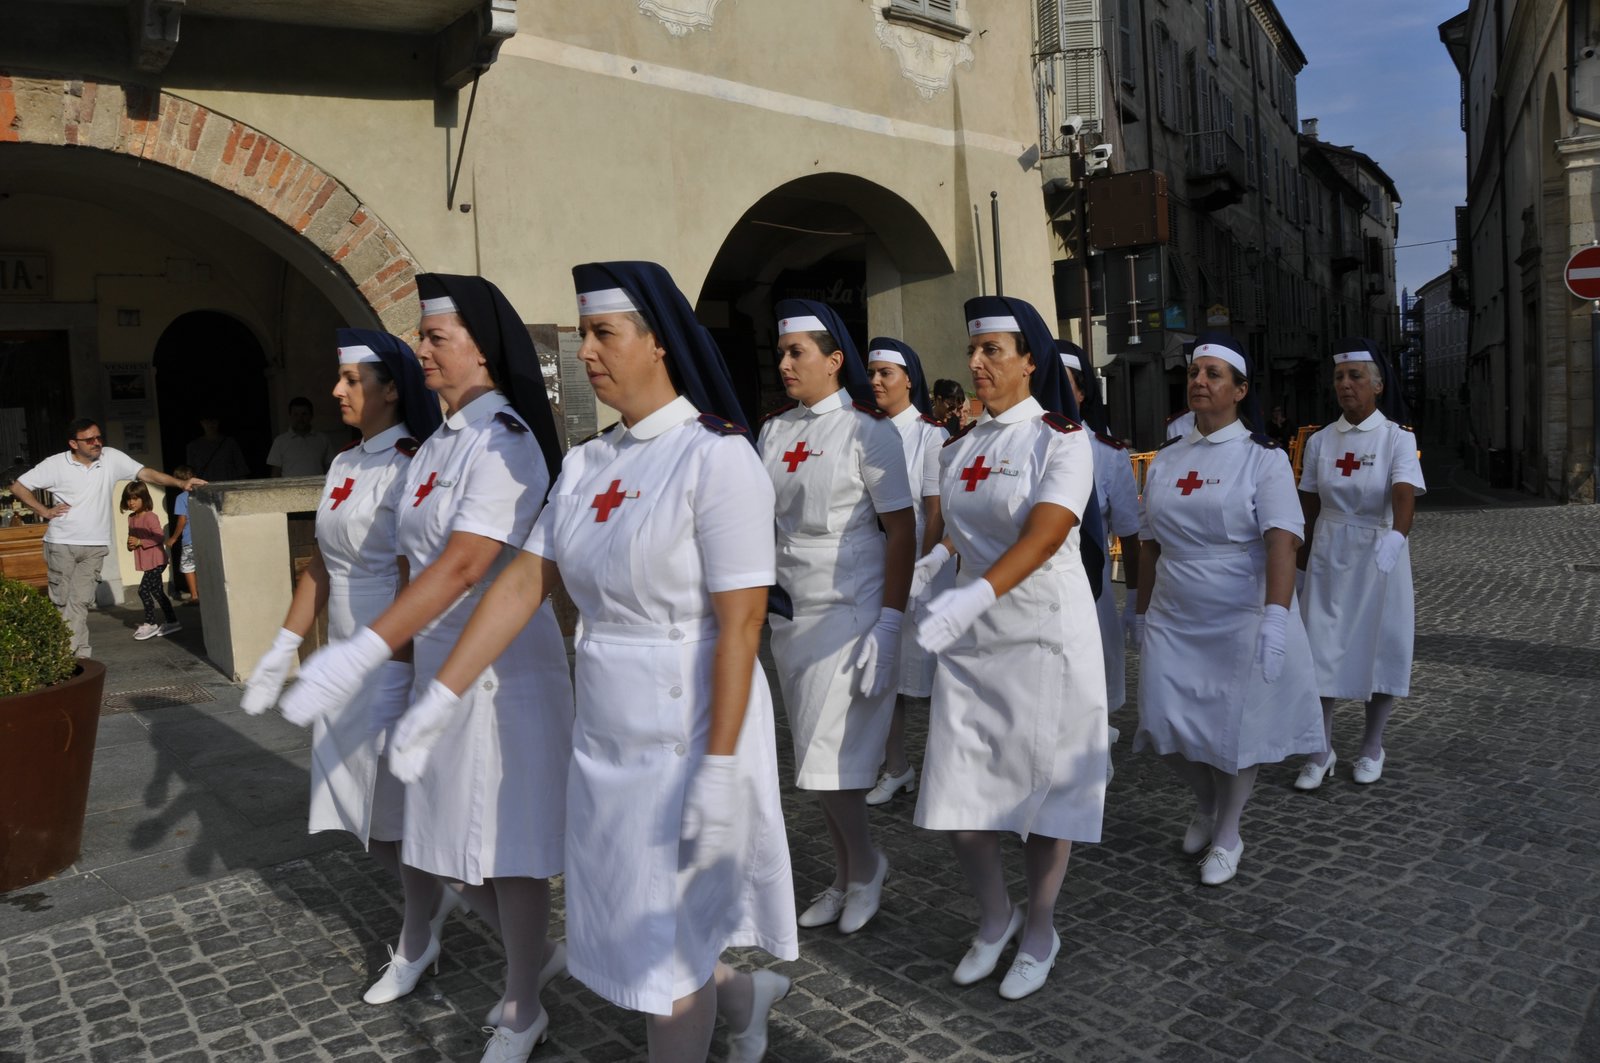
(1583, 273)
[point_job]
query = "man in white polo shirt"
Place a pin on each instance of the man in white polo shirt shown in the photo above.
(79, 537)
(302, 450)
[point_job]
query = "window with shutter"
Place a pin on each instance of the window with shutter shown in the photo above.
(1227, 116)
(1049, 27)
(1127, 60)
(939, 10)
(1225, 22)
(1160, 41)
(1250, 147)
(1211, 28)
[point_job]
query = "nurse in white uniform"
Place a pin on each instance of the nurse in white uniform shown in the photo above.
(1359, 484)
(838, 471)
(353, 574)
(486, 813)
(1119, 508)
(901, 390)
(661, 529)
(1017, 726)
(1225, 678)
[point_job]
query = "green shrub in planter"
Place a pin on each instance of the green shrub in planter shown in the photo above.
(35, 645)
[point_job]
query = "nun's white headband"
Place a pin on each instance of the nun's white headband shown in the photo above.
(1353, 356)
(884, 354)
(1227, 354)
(606, 301)
(356, 354)
(979, 325)
(441, 305)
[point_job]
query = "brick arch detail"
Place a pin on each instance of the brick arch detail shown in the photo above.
(158, 127)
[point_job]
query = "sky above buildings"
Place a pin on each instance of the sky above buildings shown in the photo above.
(1380, 80)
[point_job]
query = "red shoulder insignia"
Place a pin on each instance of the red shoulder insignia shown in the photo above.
(1175, 416)
(872, 410)
(1061, 422)
(350, 445)
(1110, 441)
(785, 408)
(963, 430)
(929, 420)
(407, 446)
(1168, 443)
(721, 425)
(510, 421)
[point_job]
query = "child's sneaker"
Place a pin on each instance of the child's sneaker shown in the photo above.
(172, 627)
(146, 631)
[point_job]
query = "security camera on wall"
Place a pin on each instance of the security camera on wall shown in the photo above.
(1072, 126)
(1100, 158)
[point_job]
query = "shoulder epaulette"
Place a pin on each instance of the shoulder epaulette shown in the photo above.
(721, 425)
(1175, 416)
(1261, 439)
(407, 446)
(350, 445)
(870, 410)
(510, 421)
(1061, 422)
(785, 408)
(1168, 443)
(1110, 441)
(930, 420)
(958, 433)
(595, 435)
(1404, 427)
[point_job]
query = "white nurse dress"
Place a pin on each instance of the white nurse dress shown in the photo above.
(922, 438)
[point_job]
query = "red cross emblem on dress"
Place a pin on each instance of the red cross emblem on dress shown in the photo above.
(798, 454)
(1190, 483)
(424, 489)
(339, 494)
(609, 499)
(975, 473)
(1348, 464)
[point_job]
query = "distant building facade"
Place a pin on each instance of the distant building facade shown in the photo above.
(1441, 330)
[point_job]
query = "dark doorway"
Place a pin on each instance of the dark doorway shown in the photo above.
(35, 398)
(208, 363)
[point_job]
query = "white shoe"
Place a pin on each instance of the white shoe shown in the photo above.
(1027, 974)
(889, 785)
(861, 899)
(171, 627)
(824, 910)
(1312, 773)
(1367, 770)
(1219, 865)
(750, 1044)
(984, 956)
(1198, 836)
(146, 631)
(507, 1046)
(553, 967)
(400, 977)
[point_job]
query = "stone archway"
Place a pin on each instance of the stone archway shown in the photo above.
(157, 127)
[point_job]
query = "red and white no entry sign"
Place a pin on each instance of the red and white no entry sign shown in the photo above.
(1583, 273)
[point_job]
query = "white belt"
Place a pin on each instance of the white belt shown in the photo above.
(1353, 519)
(698, 630)
(1201, 553)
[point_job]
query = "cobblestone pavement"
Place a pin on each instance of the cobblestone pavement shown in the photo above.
(1450, 912)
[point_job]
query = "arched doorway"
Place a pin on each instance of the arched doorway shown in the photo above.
(209, 364)
(833, 237)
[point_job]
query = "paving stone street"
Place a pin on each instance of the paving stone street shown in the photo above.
(1449, 912)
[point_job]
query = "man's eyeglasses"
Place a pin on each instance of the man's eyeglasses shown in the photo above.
(89, 439)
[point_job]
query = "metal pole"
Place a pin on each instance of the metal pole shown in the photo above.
(1083, 252)
(1594, 387)
(994, 223)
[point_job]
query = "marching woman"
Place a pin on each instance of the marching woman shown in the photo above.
(1359, 484)
(1017, 725)
(901, 391)
(488, 813)
(354, 575)
(1225, 680)
(1118, 495)
(838, 472)
(661, 529)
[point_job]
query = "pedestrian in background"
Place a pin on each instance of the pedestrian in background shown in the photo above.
(949, 405)
(486, 777)
(901, 391)
(302, 450)
(1017, 725)
(150, 558)
(214, 455)
(78, 539)
(1225, 675)
(180, 540)
(839, 474)
(1359, 483)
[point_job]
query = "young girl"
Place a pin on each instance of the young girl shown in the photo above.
(146, 540)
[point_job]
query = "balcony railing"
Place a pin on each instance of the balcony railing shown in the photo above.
(1218, 170)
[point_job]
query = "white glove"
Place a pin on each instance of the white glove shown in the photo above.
(1138, 632)
(1387, 550)
(1300, 582)
(1130, 604)
(419, 729)
(711, 809)
(1269, 643)
(391, 696)
(927, 567)
(949, 615)
(266, 681)
(878, 652)
(333, 676)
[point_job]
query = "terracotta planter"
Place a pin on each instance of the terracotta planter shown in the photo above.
(46, 752)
